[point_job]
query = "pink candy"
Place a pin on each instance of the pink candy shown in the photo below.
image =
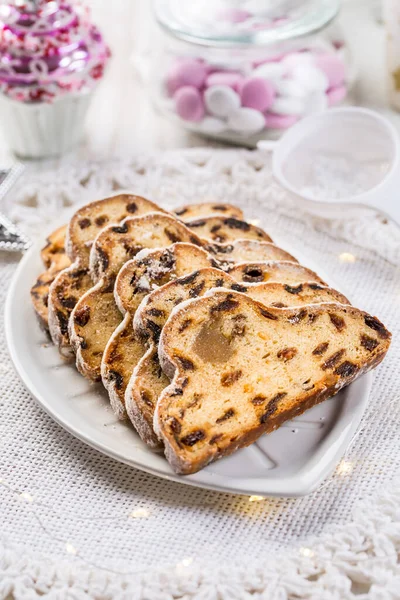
(274, 121)
(333, 68)
(257, 93)
(336, 94)
(189, 103)
(188, 71)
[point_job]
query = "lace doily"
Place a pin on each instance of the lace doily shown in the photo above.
(77, 524)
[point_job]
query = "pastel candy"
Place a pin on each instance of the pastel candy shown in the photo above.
(221, 100)
(213, 125)
(312, 78)
(189, 103)
(333, 67)
(229, 78)
(288, 106)
(257, 93)
(336, 94)
(270, 70)
(187, 71)
(274, 121)
(290, 87)
(246, 120)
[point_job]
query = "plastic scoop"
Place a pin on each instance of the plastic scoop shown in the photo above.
(344, 156)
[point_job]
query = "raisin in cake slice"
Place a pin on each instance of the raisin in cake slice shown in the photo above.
(225, 229)
(72, 283)
(96, 315)
(205, 209)
(284, 361)
(148, 270)
(148, 380)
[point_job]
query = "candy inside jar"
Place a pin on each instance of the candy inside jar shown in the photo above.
(253, 69)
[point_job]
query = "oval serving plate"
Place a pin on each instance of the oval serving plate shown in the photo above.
(292, 461)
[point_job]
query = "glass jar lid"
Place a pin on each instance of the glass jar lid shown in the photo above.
(243, 22)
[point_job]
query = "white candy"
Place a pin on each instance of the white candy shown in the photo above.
(221, 100)
(316, 102)
(288, 106)
(312, 78)
(299, 58)
(272, 71)
(289, 87)
(246, 120)
(213, 125)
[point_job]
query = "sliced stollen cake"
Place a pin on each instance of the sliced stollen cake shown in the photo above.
(137, 278)
(71, 283)
(122, 351)
(96, 315)
(240, 369)
(206, 209)
(148, 380)
(114, 246)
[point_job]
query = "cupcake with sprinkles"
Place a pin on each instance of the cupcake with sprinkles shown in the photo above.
(51, 58)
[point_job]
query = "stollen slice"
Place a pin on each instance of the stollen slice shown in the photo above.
(148, 380)
(53, 253)
(247, 251)
(241, 369)
(225, 229)
(96, 315)
(204, 209)
(260, 272)
(55, 260)
(137, 278)
(71, 283)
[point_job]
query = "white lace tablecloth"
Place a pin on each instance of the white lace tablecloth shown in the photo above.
(76, 524)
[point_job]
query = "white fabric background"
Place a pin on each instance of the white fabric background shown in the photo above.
(65, 509)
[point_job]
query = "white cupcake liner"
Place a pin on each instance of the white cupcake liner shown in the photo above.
(43, 130)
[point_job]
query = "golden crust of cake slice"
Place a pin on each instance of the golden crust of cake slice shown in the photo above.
(205, 209)
(226, 229)
(262, 366)
(96, 315)
(72, 283)
(148, 380)
(261, 272)
(135, 280)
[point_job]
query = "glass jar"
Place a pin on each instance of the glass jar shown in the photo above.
(245, 70)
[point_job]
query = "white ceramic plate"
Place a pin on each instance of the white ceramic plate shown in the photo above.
(289, 462)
